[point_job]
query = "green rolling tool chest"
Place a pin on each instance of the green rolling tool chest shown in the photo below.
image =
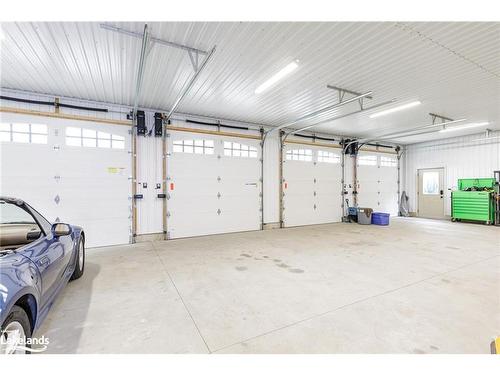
(474, 200)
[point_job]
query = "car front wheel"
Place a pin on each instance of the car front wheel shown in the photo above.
(14, 333)
(80, 260)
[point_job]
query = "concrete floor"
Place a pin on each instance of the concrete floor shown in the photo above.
(418, 286)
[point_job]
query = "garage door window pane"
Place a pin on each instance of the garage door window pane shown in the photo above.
(89, 142)
(328, 157)
(87, 133)
(430, 183)
(188, 149)
(117, 137)
(209, 143)
(102, 135)
(367, 160)
(177, 148)
(38, 138)
(104, 143)
(20, 137)
(300, 154)
(38, 129)
(5, 127)
(73, 132)
(386, 161)
(21, 128)
(198, 150)
(73, 141)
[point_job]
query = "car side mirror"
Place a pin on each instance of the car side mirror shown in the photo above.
(60, 229)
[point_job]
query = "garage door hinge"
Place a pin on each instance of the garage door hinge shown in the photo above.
(314, 193)
(314, 206)
(218, 178)
(57, 177)
(56, 148)
(219, 211)
(168, 213)
(218, 195)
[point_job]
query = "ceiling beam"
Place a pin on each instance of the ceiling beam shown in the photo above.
(140, 70)
(153, 39)
(343, 116)
(190, 84)
(322, 110)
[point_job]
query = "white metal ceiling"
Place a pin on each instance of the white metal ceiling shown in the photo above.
(453, 68)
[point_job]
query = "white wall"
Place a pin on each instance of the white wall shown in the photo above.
(271, 178)
(461, 157)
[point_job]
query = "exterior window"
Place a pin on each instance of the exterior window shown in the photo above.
(328, 157)
(387, 161)
(367, 160)
(92, 138)
(197, 146)
(240, 150)
(430, 183)
(24, 133)
(299, 154)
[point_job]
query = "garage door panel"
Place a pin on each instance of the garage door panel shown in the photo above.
(377, 184)
(214, 193)
(312, 188)
(85, 186)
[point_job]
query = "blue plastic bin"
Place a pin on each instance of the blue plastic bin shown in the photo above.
(380, 218)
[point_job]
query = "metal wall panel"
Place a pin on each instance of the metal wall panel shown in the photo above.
(461, 157)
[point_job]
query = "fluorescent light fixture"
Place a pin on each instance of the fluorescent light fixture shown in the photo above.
(396, 109)
(466, 126)
(275, 78)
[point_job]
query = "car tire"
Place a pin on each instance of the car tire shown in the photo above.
(17, 318)
(80, 260)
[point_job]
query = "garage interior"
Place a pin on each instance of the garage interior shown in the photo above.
(222, 172)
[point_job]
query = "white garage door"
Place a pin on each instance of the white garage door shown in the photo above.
(377, 182)
(213, 184)
(311, 185)
(78, 174)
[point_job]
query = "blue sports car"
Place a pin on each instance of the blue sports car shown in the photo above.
(37, 259)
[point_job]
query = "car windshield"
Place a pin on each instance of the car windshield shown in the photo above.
(17, 227)
(12, 214)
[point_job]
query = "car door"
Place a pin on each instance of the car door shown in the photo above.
(48, 255)
(52, 257)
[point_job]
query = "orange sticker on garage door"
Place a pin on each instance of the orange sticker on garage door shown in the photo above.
(171, 186)
(286, 185)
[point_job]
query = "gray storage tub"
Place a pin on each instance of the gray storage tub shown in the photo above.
(364, 215)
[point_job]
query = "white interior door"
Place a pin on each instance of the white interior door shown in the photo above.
(214, 184)
(431, 193)
(377, 182)
(311, 185)
(79, 177)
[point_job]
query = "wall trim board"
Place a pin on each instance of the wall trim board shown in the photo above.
(64, 116)
(212, 132)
